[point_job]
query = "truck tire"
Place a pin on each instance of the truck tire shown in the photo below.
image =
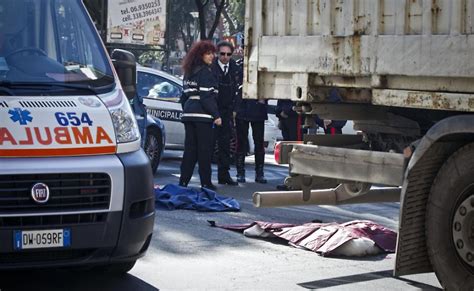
(450, 221)
(153, 147)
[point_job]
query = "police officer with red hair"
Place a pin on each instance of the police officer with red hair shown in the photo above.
(200, 113)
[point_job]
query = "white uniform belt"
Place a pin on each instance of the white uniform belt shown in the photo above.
(197, 115)
(195, 97)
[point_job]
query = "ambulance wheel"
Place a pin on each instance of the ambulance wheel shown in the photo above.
(153, 147)
(450, 221)
(119, 268)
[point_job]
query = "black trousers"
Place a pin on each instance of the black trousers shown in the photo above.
(291, 128)
(333, 130)
(258, 130)
(223, 134)
(198, 147)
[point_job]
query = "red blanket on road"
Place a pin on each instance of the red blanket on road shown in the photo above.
(354, 238)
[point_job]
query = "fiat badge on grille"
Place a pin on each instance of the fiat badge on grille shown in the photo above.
(40, 193)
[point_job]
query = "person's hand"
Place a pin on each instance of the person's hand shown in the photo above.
(327, 122)
(283, 115)
(218, 121)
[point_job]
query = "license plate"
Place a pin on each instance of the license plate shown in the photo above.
(35, 239)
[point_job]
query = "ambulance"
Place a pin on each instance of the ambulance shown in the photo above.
(76, 189)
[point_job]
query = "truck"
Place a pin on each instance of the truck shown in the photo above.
(76, 189)
(404, 71)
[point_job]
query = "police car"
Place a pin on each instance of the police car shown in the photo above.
(161, 92)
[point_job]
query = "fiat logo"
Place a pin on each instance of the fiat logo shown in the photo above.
(40, 193)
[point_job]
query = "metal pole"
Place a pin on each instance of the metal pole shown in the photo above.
(335, 196)
(167, 36)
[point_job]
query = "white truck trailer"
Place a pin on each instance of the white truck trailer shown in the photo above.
(405, 74)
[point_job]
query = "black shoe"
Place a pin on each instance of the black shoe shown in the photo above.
(210, 187)
(227, 181)
(260, 179)
(282, 187)
(240, 179)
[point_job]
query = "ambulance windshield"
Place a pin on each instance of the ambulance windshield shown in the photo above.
(48, 42)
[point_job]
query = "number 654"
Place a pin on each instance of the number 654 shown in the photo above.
(73, 118)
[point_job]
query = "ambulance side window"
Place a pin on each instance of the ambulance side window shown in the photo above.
(153, 86)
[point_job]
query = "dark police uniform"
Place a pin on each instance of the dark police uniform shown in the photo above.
(291, 126)
(226, 101)
(199, 112)
(335, 127)
(250, 113)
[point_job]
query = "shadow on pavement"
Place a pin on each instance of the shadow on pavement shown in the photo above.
(52, 279)
(197, 238)
(365, 277)
(367, 258)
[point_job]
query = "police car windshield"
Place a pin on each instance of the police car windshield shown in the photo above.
(51, 41)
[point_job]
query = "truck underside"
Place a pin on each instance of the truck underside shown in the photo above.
(351, 165)
(403, 73)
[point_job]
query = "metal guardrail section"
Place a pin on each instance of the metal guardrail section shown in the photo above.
(348, 164)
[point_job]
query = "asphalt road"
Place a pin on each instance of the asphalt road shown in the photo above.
(188, 254)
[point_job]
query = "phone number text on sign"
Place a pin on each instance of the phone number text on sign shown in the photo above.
(145, 14)
(140, 11)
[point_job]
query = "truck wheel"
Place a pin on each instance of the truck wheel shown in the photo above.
(450, 221)
(153, 147)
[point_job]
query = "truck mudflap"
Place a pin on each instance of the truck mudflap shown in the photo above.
(50, 126)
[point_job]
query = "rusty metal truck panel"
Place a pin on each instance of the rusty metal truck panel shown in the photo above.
(295, 47)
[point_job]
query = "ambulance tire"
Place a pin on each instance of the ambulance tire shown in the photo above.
(119, 268)
(153, 147)
(447, 231)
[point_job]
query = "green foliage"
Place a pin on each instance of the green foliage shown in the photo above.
(149, 57)
(236, 15)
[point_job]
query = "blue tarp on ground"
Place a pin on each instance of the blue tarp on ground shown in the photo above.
(201, 199)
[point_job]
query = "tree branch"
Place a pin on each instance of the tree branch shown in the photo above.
(219, 8)
(232, 27)
(202, 18)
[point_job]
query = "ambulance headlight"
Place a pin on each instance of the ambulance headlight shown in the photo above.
(126, 128)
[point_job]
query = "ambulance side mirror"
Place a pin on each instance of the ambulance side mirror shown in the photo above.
(126, 67)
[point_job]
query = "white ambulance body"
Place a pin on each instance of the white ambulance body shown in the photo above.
(75, 186)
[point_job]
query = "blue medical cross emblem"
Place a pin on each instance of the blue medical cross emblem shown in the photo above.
(20, 115)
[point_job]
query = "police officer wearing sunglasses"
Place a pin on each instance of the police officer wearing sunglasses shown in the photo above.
(227, 73)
